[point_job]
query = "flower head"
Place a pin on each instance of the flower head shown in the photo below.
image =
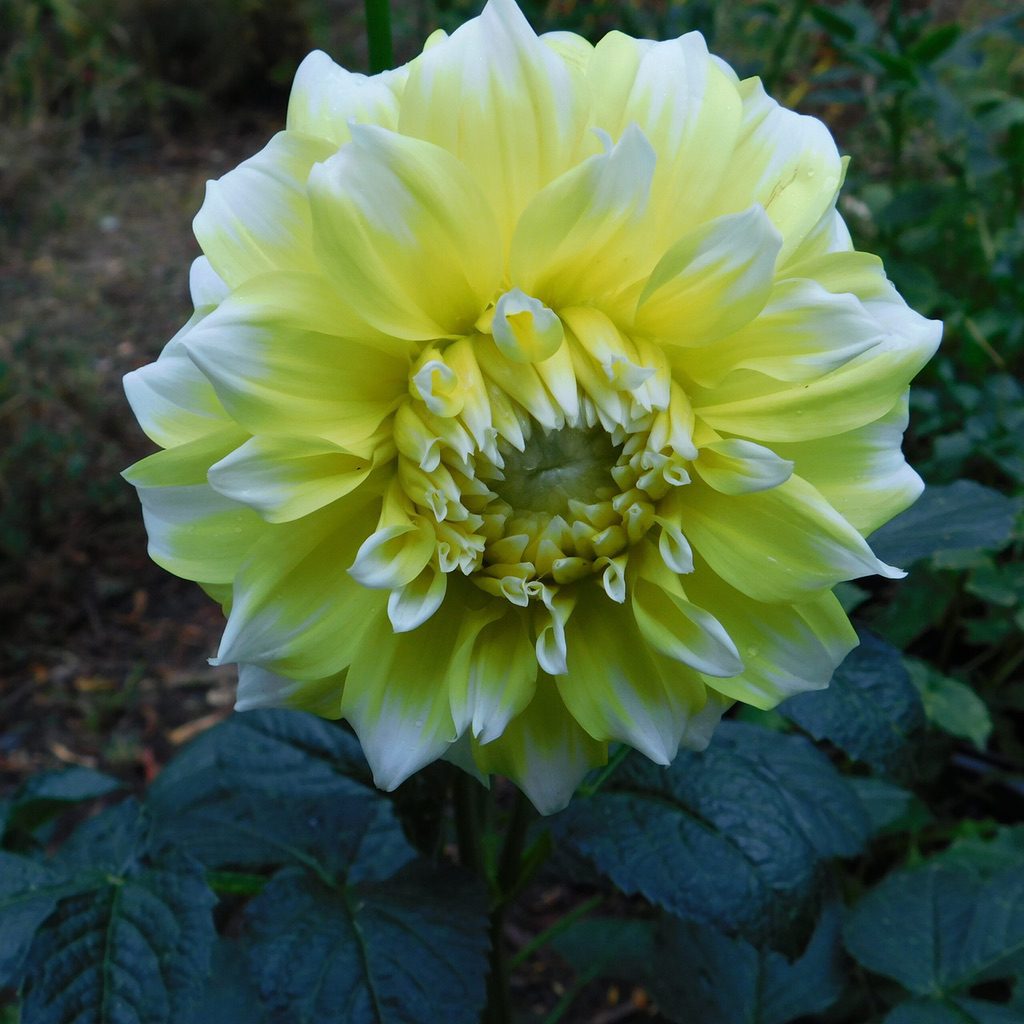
(535, 398)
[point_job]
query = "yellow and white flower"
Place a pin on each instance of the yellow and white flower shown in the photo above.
(534, 398)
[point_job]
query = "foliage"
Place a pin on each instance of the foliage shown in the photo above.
(850, 857)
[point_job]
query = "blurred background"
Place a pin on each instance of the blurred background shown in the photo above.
(113, 113)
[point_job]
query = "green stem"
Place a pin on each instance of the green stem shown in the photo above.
(543, 938)
(378, 35)
(468, 834)
(614, 761)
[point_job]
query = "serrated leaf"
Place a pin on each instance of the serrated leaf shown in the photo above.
(884, 802)
(702, 975)
(132, 948)
(734, 837)
(29, 892)
(273, 751)
(987, 857)
(951, 705)
(300, 805)
(230, 996)
(953, 1011)
(870, 709)
(960, 515)
(45, 795)
(939, 929)
(249, 829)
(412, 950)
(69, 785)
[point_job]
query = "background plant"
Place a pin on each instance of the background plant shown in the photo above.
(855, 857)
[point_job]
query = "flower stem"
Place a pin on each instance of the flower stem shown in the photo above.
(378, 35)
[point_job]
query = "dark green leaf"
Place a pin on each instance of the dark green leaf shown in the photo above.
(960, 515)
(987, 857)
(884, 802)
(412, 950)
(271, 788)
(869, 710)
(734, 837)
(834, 24)
(29, 891)
(612, 947)
(68, 785)
(274, 751)
(951, 705)
(701, 975)
(251, 829)
(132, 948)
(939, 929)
(935, 43)
(230, 996)
(953, 1011)
(45, 795)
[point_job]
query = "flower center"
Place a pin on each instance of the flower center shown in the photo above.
(556, 467)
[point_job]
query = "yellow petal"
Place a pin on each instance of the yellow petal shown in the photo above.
(194, 532)
(712, 281)
(863, 473)
(543, 750)
(687, 104)
(784, 544)
(501, 101)
(404, 234)
(256, 218)
(578, 237)
(284, 478)
(296, 611)
(786, 648)
(271, 354)
(325, 99)
(785, 161)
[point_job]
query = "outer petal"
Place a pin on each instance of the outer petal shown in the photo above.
(397, 693)
(712, 281)
(577, 238)
(857, 393)
(616, 687)
(325, 99)
(734, 466)
(803, 333)
(784, 544)
(277, 366)
(785, 161)
(543, 750)
(863, 473)
(501, 680)
(502, 102)
(194, 532)
(172, 400)
(296, 611)
(686, 103)
(258, 688)
(786, 648)
(284, 478)
(404, 234)
(256, 218)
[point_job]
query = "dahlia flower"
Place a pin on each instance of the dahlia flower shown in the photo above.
(534, 399)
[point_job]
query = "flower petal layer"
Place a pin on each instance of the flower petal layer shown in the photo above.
(783, 544)
(273, 358)
(194, 532)
(256, 218)
(404, 234)
(502, 102)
